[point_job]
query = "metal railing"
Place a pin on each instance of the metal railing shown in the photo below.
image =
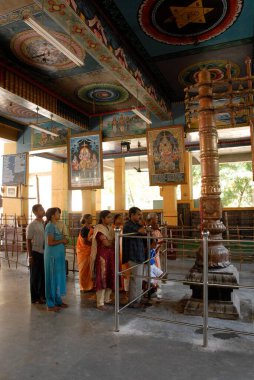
(204, 283)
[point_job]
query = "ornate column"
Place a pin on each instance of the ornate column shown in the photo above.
(220, 269)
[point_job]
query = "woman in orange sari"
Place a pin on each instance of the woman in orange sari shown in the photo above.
(83, 249)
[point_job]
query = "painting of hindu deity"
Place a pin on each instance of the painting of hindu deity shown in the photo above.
(85, 161)
(124, 124)
(166, 155)
(41, 140)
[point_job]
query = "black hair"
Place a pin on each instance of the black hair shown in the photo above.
(36, 207)
(59, 210)
(84, 218)
(49, 213)
(116, 216)
(103, 214)
(133, 211)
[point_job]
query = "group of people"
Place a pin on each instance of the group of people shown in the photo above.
(95, 251)
(96, 255)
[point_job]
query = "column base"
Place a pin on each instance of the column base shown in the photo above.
(222, 303)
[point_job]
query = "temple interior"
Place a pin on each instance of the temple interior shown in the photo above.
(109, 105)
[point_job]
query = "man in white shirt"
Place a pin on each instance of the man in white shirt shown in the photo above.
(35, 250)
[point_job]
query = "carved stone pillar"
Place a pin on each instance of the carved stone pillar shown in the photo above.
(219, 267)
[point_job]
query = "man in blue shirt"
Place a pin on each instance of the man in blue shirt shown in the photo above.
(134, 254)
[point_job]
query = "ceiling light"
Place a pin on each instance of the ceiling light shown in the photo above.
(42, 130)
(52, 40)
(137, 112)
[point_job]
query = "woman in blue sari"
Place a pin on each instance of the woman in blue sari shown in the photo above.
(54, 262)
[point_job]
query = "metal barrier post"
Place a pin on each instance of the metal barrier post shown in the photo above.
(205, 287)
(149, 260)
(117, 255)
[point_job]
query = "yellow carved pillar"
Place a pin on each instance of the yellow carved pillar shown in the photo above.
(169, 204)
(60, 193)
(186, 189)
(119, 183)
(98, 200)
(89, 202)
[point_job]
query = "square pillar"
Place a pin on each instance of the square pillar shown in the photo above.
(169, 204)
(119, 183)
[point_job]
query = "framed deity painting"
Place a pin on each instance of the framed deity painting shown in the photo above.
(85, 161)
(165, 149)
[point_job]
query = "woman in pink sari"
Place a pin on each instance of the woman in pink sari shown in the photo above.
(103, 259)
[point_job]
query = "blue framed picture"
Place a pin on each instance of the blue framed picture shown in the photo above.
(85, 161)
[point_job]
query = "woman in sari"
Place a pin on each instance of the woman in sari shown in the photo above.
(103, 259)
(54, 262)
(83, 249)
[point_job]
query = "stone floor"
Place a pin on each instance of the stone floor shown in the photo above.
(80, 342)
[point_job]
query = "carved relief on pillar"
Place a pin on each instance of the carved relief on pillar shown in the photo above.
(210, 186)
(211, 208)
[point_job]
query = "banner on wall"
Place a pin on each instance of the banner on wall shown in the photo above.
(165, 149)
(85, 161)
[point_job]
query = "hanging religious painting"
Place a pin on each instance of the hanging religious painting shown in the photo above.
(85, 161)
(122, 125)
(165, 148)
(55, 135)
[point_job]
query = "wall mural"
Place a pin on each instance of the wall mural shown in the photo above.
(85, 161)
(103, 94)
(188, 21)
(41, 140)
(122, 125)
(223, 119)
(166, 155)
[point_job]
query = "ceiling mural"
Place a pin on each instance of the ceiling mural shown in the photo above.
(103, 94)
(183, 72)
(187, 22)
(32, 49)
(217, 68)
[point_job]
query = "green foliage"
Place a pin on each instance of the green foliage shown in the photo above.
(236, 183)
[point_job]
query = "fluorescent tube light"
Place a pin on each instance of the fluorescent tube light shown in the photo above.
(137, 112)
(52, 40)
(42, 130)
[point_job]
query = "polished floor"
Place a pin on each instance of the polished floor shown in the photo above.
(80, 342)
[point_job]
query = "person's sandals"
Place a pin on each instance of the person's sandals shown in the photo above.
(54, 308)
(63, 305)
(102, 308)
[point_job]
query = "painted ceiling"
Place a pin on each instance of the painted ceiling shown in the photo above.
(138, 52)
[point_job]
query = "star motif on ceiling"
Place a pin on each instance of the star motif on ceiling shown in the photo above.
(193, 13)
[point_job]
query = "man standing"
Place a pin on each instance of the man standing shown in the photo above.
(35, 250)
(134, 254)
